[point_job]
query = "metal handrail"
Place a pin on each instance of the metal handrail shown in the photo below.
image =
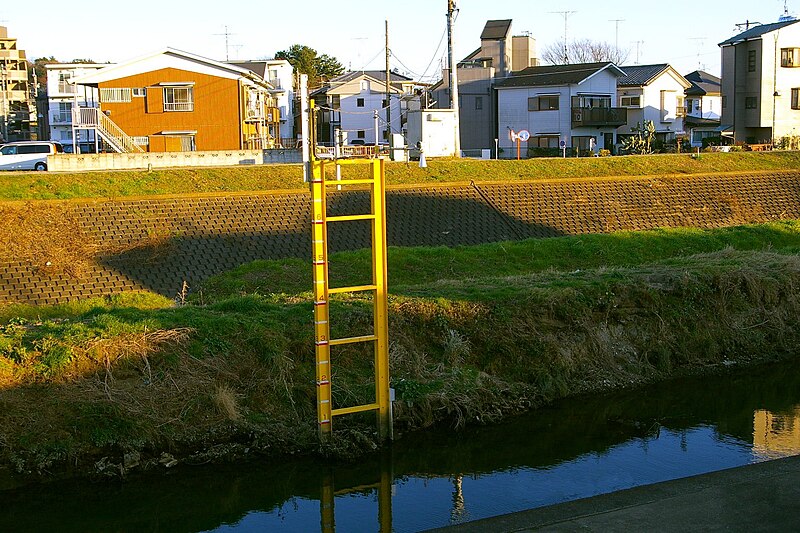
(92, 117)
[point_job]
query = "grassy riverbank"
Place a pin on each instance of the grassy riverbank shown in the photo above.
(107, 386)
(113, 184)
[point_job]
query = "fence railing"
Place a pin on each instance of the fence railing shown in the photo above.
(93, 118)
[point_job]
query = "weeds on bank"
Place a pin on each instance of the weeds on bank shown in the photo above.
(605, 311)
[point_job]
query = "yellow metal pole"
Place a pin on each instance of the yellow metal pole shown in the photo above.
(380, 301)
(321, 302)
(327, 497)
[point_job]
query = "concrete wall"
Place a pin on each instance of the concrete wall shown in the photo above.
(81, 162)
(157, 243)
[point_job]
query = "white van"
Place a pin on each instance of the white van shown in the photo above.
(27, 155)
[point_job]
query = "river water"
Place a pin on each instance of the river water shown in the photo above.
(574, 449)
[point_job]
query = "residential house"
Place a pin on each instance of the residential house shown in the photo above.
(703, 107)
(171, 100)
(653, 93)
(280, 74)
(570, 103)
(761, 83)
(355, 103)
(62, 95)
(17, 104)
(500, 54)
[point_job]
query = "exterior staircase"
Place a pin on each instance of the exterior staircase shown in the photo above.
(91, 118)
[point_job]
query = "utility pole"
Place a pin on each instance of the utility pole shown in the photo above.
(451, 7)
(566, 15)
(388, 91)
(4, 109)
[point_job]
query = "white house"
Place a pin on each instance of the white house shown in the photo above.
(703, 107)
(570, 103)
(63, 94)
(653, 93)
(280, 75)
(761, 83)
(351, 102)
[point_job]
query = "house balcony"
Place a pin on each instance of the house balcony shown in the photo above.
(599, 116)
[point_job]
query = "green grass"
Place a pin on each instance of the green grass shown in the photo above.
(420, 266)
(112, 184)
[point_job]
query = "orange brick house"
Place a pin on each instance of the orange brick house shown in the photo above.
(172, 101)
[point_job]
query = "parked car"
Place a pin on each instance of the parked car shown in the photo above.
(28, 155)
(357, 142)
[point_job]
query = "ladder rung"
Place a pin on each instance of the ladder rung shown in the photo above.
(352, 340)
(360, 288)
(355, 409)
(350, 217)
(331, 183)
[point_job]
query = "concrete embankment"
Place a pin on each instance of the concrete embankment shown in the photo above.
(758, 497)
(60, 251)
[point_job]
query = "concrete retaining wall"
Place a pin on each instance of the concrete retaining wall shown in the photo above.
(158, 243)
(83, 162)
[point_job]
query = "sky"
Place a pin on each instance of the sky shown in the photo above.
(683, 33)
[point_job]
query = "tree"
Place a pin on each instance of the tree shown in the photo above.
(305, 60)
(38, 66)
(583, 51)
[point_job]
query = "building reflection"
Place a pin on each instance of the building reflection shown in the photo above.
(776, 434)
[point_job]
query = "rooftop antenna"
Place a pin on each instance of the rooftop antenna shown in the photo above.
(746, 25)
(227, 46)
(638, 46)
(786, 17)
(566, 15)
(701, 41)
(616, 32)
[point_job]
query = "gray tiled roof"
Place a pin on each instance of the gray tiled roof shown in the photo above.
(638, 75)
(552, 75)
(496, 29)
(758, 31)
(702, 83)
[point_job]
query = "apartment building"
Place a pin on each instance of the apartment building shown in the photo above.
(761, 83)
(17, 101)
(280, 75)
(172, 100)
(62, 96)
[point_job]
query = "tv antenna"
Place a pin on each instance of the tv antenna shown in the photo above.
(701, 41)
(616, 31)
(746, 25)
(638, 47)
(227, 34)
(566, 15)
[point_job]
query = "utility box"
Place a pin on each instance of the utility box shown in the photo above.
(398, 147)
(433, 130)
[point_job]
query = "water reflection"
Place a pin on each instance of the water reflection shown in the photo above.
(578, 448)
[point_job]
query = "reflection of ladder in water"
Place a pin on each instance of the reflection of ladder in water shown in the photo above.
(322, 292)
(91, 118)
(383, 489)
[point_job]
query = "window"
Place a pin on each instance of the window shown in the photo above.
(630, 101)
(139, 92)
(360, 134)
(478, 103)
(365, 85)
(751, 102)
(544, 141)
(359, 102)
(796, 98)
(385, 135)
(591, 101)
(751, 61)
(178, 99)
(115, 96)
(790, 57)
(543, 103)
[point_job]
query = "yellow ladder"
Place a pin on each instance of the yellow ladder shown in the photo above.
(323, 291)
